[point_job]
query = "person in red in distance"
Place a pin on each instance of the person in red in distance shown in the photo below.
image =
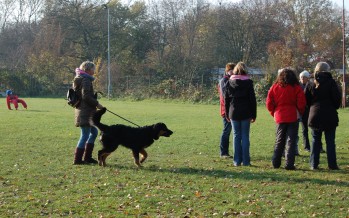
(12, 98)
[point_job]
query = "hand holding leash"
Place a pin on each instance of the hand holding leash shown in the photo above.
(99, 106)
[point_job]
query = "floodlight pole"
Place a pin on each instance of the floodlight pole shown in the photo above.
(344, 50)
(109, 83)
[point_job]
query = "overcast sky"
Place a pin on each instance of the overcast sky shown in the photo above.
(338, 2)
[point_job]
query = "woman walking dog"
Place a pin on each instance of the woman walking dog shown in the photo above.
(84, 112)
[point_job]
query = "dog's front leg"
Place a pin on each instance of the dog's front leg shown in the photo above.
(102, 158)
(136, 157)
(144, 155)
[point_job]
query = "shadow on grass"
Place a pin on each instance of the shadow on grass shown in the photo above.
(38, 111)
(244, 173)
(30, 110)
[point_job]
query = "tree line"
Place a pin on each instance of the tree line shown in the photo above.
(168, 46)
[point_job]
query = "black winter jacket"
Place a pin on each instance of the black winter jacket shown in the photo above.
(240, 99)
(323, 102)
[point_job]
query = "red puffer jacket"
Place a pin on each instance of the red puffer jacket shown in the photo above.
(222, 86)
(284, 102)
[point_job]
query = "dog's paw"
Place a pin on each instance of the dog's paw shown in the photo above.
(138, 164)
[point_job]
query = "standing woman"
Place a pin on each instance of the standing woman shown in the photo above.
(304, 79)
(323, 98)
(241, 110)
(222, 85)
(84, 111)
(285, 101)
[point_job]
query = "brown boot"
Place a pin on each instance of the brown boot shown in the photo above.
(79, 152)
(88, 154)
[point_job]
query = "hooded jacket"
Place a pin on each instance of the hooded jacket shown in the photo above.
(240, 98)
(323, 102)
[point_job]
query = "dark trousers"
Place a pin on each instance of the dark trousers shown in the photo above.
(224, 144)
(304, 125)
(286, 140)
(330, 136)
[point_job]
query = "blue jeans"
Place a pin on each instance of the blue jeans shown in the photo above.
(224, 144)
(88, 135)
(330, 136)
(241, 139)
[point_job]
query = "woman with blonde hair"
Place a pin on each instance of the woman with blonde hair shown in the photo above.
(241, 110)
(323, 98)
(84, 111)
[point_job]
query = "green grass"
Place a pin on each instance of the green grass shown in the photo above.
(183, 175)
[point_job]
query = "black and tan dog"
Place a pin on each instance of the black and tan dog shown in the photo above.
(136, 139)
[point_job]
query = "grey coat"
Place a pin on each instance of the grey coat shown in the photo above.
(87, 107)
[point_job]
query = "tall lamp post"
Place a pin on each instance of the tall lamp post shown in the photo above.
(109, 85)
(344, 50)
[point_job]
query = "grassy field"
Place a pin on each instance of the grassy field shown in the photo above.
(183, 176)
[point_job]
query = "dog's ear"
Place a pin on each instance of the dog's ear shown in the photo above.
(159, 126)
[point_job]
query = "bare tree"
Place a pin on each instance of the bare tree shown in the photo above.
(27, 11)
(7, 8)
(160, 27)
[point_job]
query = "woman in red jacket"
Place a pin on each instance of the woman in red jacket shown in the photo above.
(286, 103)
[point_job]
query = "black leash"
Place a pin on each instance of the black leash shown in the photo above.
(122, 118)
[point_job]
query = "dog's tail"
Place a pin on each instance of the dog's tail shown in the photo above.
(96, 119)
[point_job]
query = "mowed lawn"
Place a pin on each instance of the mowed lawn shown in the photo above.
(182, 177)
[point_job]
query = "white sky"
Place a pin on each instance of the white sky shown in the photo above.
(338, 2)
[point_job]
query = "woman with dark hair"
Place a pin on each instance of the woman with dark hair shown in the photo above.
(241, 110)
(286, 103)
(323, 98)
(222, 86)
